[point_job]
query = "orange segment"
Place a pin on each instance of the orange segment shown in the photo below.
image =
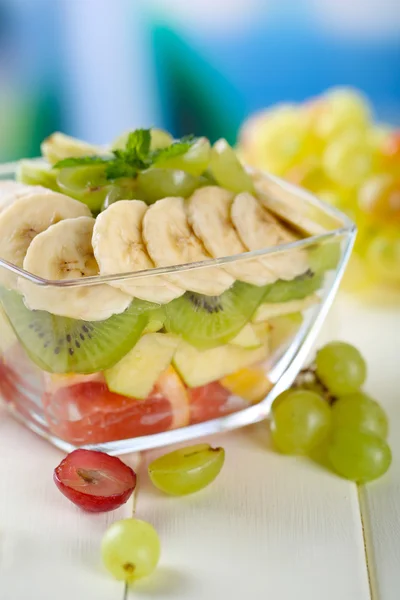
(250, 383)
(170, 385)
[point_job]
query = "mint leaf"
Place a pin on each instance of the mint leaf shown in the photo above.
(80, 161)
(120, 168)
(133, 158)
(177, 148)
(138, 144)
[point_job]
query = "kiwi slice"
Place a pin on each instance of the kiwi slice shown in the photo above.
(210, 321)
(295, 289)
(325, 256)
(64, 345)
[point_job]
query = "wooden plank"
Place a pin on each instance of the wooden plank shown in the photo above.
(269, 527)
(377, 333)
(48, 547)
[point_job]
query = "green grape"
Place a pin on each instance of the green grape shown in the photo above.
(383, 255)
(124, 188)
(155, 184)
(159, 139)
(130, 549)
(380, 198)
(329, 196)
(348, 160)
(279, 399)
(343, 198)
(187, 470)
(283, 135)
(87, 184)
(309, 174)
(379, 136)
(194, 161)
(207, 178)
(341, 368)
(360, 412)
(227, 170)
(37, 172)
(341, 109)
(301, 420)
(358, 455)
(389, 153)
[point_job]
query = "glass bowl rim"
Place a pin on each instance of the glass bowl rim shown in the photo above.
(347, 227)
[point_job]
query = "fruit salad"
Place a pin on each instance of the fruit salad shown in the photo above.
(152, 284)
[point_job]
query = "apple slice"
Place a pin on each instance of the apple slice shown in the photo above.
(270, 310)
(136, 374)
(199, 367)
(247, 337)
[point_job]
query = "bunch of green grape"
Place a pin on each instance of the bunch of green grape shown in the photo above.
(328, 410)
(332, 146)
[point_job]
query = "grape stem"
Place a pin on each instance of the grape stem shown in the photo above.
(308, 379)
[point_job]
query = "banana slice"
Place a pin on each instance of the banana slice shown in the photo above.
(258, 229)
(119, 248)
(21, 190)
(209, 212)
(28, 216)
(59, 146)
(11, 190)
(285, 203)
(64, 251)
(170, 241)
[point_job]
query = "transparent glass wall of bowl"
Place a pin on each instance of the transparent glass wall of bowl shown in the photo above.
(81, 368)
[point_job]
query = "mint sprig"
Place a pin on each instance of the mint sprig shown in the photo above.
(136, 156)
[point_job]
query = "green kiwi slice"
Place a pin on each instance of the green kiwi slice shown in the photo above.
(210, 321)
(296, 289)
(64, 345)
(325, 256)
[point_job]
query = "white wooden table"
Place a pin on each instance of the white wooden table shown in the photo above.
(269, 527)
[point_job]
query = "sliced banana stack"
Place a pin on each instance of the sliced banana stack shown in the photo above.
(119, 248)
(259, 229)
(26, 218)
(171, 241)
(209, 212)
(64, 251)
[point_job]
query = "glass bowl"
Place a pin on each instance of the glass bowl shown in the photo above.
(155, 375)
